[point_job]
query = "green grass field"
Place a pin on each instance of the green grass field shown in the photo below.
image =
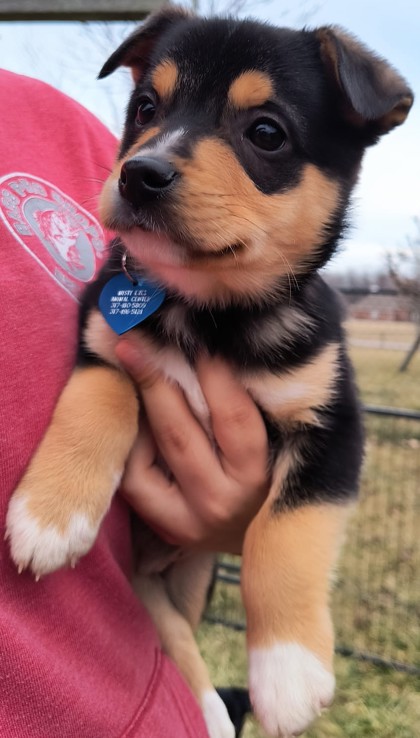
(376, 601)
(370, 701)
(381, 330)
(377, 373)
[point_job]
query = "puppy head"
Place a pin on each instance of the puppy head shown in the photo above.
(241, 145)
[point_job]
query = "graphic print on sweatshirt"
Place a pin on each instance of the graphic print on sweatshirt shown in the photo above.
(63, 237)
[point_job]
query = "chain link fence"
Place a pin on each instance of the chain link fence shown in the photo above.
(376, 595)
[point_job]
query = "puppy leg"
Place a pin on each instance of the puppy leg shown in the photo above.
(176, 605)
(55, 512)
(288, 559)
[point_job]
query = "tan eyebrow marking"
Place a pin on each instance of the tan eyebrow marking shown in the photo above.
(165, 77)
(250, 89)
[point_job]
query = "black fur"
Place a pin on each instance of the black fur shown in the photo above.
(319, 78)
(238, 706)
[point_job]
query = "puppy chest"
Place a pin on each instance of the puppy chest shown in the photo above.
(294, 395)
(291, 396)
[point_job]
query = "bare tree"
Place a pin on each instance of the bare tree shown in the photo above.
(362, 281)
(404, 268)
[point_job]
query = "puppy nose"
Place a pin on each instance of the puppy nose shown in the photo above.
(145, 179)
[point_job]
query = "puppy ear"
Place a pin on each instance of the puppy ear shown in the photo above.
(135, 50)
(374, 95)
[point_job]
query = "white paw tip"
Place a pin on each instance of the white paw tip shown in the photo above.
(216, 715)
(44, 548)
(289, 687)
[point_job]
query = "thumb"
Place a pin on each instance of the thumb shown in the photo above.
(135, 355)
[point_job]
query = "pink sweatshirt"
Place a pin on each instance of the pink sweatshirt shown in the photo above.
(79, 657)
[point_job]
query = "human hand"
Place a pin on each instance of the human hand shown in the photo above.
(213, 493)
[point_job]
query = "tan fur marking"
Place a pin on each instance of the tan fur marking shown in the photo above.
(294, 396)
(287, 460)
(175, 632)
(139, 142)
(250, 89)
(398, 115)
(294, 219)
(82, 455)
(280, 233)
(164, 78)
(287, 564)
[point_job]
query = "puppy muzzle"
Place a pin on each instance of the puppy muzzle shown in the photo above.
(145, 180)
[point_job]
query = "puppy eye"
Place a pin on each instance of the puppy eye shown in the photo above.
(145, 111)
(266, 134)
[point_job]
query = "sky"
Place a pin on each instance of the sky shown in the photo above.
(69, 56)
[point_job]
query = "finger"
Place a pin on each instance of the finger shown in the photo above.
(179, 436)
(159, 502)
(134, 354)
(156, 499)
(142, 455)
(237, 423)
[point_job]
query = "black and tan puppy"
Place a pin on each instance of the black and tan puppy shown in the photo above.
(241, 147)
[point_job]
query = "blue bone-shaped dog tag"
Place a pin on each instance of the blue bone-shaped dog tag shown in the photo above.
(125, 305)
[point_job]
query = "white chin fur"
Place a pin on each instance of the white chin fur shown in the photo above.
(289, 686)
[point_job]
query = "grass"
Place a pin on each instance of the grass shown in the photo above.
(381, 331)
(377, 373)
(380, 381)
(369, 700)
(376, 601)
(376, 598)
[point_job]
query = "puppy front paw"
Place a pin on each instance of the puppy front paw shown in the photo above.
(289, 686)
(46, 546)
(53, 519)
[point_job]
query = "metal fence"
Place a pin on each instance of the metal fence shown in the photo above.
(376, 596)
